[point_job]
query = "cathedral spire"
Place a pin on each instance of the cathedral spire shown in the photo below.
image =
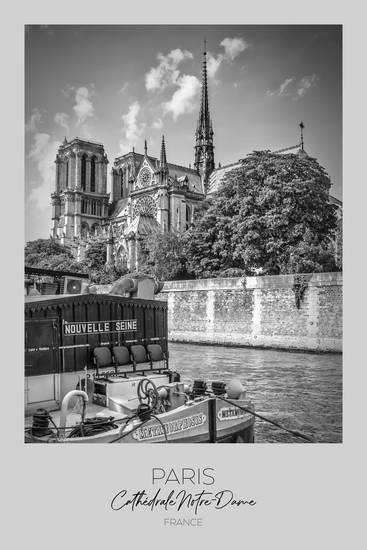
(204, 148)
(163, 154)
(163, 166)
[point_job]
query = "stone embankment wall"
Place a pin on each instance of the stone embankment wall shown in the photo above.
(257, 312)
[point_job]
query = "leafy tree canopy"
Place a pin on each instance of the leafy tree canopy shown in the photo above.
(95, 263)
(163, 256)
(95, 254)
(271, 215)
(50, 254)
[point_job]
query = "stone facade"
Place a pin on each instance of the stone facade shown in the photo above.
(257, 312)
(148, 196)
(80, 199)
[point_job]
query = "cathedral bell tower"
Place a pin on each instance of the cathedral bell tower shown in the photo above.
(204, 147)
(80, 199)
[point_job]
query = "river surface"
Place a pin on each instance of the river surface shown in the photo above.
(302, 391)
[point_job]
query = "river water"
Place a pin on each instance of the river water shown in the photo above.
(302, 391)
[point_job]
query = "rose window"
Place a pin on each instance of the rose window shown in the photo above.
(145, 206)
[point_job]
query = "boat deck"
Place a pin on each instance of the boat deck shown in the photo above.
(74, 415)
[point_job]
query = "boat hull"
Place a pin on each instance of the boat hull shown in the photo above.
(209, 420)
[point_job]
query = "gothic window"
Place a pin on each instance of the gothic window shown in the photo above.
(122, 183)
(93, 175)
(67, 174)
(188, 216)
(145, 206)
(84, 229)
(83, 172)
(145, 177)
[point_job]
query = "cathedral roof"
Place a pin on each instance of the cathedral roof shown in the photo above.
(193, 176)
(335, 201)
(302, 153)
(118, 207)
(174, 170)
(143, 225)
(84, 143)
(218, 174)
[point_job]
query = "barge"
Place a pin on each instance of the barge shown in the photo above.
(97, 371)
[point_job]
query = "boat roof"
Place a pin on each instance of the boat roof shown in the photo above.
(64, 299)
(48, 297)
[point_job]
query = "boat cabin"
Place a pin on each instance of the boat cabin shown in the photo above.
(70, 336)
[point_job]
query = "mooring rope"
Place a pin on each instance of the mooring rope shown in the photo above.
(296, 433)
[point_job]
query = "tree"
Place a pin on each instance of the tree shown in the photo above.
(163, 256)
(95, 254)
(95, 264)
(50, 254)
(271, 214)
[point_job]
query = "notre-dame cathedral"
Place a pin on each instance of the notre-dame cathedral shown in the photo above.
(148, 195)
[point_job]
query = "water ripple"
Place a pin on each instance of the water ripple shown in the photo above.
(302, 391)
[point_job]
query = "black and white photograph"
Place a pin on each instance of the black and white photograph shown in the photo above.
(183, 234)
(187, 266)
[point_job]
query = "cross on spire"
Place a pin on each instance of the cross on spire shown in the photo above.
(301, 125)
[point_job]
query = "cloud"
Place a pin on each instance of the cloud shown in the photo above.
(34, 120)
(294, 89)
(43, 153)
(85, 132)
(233, 47)
(62, 120)
(183, 99)
(132, 129)
(283, 89)
(67, 90)
(166, 72)
(157, 124)
(123, 88)
(213, 64)
(305, 84)
(83, 107)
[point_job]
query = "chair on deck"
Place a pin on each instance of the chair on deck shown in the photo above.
(156, 355)
(122, 358)
(102, 358)
(141, 361)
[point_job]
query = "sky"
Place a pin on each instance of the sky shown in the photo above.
(120, 85)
